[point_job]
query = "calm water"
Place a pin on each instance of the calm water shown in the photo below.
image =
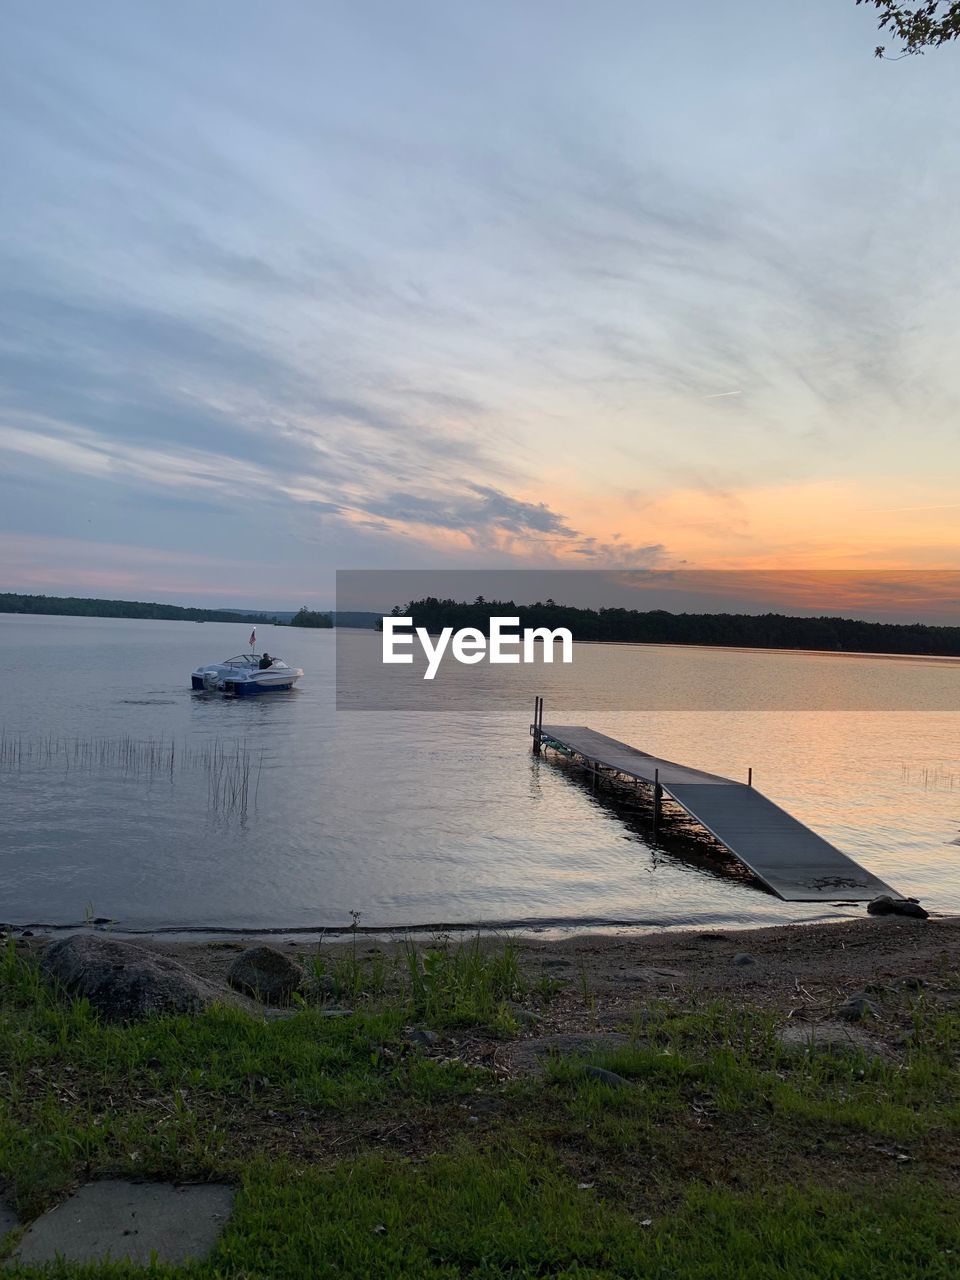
(122, 792)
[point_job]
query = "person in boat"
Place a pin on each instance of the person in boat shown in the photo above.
(266, 661)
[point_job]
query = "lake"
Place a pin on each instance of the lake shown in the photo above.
(126, 796)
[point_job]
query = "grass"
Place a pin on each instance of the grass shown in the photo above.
(443, 984)
(356, 1153)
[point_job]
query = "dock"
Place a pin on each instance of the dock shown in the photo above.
(792, 860)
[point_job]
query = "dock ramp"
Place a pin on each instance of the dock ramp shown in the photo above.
(793, 861)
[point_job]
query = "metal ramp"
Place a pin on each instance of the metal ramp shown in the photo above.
(793, 861)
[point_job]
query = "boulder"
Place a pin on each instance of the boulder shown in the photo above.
(267, 974)
(884, 905)
(122, 981)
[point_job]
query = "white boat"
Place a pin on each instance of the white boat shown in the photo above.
(244, 675)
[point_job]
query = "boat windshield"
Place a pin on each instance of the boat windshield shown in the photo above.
(248, 660)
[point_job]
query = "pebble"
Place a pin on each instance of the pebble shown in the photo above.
(420, 1036)
(857, 1007)
(525, 1016)
(742, 958)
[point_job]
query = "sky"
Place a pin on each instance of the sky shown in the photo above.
(622, 285)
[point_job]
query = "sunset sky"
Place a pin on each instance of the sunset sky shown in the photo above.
(291, 288)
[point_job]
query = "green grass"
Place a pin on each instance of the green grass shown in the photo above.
(356, 1154)
(518, 1215)
(444, 985)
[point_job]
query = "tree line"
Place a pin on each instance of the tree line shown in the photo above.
(87, 607)
(658, 626)
(305, 617)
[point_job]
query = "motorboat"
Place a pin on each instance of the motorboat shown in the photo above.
(244, 675)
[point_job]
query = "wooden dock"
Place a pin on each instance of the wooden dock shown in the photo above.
(793, 861)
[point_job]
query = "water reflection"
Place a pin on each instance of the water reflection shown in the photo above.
(678, 839)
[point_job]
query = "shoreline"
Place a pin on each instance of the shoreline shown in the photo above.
(543, 930)
(766, 966)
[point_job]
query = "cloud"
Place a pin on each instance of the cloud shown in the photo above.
(329, 273)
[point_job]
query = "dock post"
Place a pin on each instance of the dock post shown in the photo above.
(750, 776)
(657, 800)
(537, 724)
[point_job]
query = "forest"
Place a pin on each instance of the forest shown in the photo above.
(305, 617)
(658, 626)
(86, 607)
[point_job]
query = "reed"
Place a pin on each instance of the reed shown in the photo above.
(231, 769)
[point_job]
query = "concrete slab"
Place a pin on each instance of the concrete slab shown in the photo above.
(129, 1221)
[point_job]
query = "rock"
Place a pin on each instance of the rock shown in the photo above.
(119, 1221)
(124, 982)
(651, 973)
(884, 905)
(530, 1056)
(881, 906)
(825, 1037)
(857, 1007)
(742, 958)
(526, 1017)
(426, 1039)
(266, 974)
(606, 1077)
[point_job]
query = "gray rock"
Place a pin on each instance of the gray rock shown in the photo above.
(119, 1221)
(884, 905)
(531, 1056)
(825, 1037)
(742, 958)
(526, 1017)
(124, 982)
(857, 1007)
(654, 974)
(266, 974)
(426, 1039)
(606, 1077)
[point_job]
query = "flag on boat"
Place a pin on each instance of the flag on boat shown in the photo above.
(253, 638)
